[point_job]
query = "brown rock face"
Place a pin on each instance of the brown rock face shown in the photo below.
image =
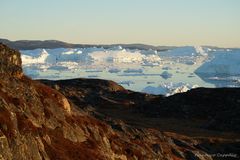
(10, 61)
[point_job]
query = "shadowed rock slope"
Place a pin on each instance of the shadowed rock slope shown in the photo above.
(215, 109)
(88, 119)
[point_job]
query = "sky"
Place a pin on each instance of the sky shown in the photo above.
(156, 22)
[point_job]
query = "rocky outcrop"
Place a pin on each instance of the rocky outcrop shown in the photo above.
(10, 61)
(217, 108)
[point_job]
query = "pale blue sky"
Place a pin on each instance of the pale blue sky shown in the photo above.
(157, 22)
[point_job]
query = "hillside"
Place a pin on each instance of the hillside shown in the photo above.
(52, 44)
(98, 119)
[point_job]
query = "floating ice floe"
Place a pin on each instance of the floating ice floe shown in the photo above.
(166, 75)
(94, 71)
(126, 83)
(93, 76)
(114, 70)
(166, 68)
(150, 82)
(133, 71)
(58, 68)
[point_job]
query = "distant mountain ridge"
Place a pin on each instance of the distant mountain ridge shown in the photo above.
(52, 44)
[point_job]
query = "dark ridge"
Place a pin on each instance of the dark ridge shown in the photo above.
(52, 44)
(216, 108)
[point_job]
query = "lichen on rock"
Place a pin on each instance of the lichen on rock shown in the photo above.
(10, 61)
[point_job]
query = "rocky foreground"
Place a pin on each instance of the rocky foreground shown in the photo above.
(97, 119)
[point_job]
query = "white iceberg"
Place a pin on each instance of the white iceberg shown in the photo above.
(26, 59)
(168, 89)
(224, 63)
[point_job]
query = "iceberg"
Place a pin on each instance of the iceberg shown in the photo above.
(186, 55)
(224, 63)
(126, 83)
(169, 89)
(166, 75)
(114, 70)
(26, 59)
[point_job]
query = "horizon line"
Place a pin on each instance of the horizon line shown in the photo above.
(108, 44)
